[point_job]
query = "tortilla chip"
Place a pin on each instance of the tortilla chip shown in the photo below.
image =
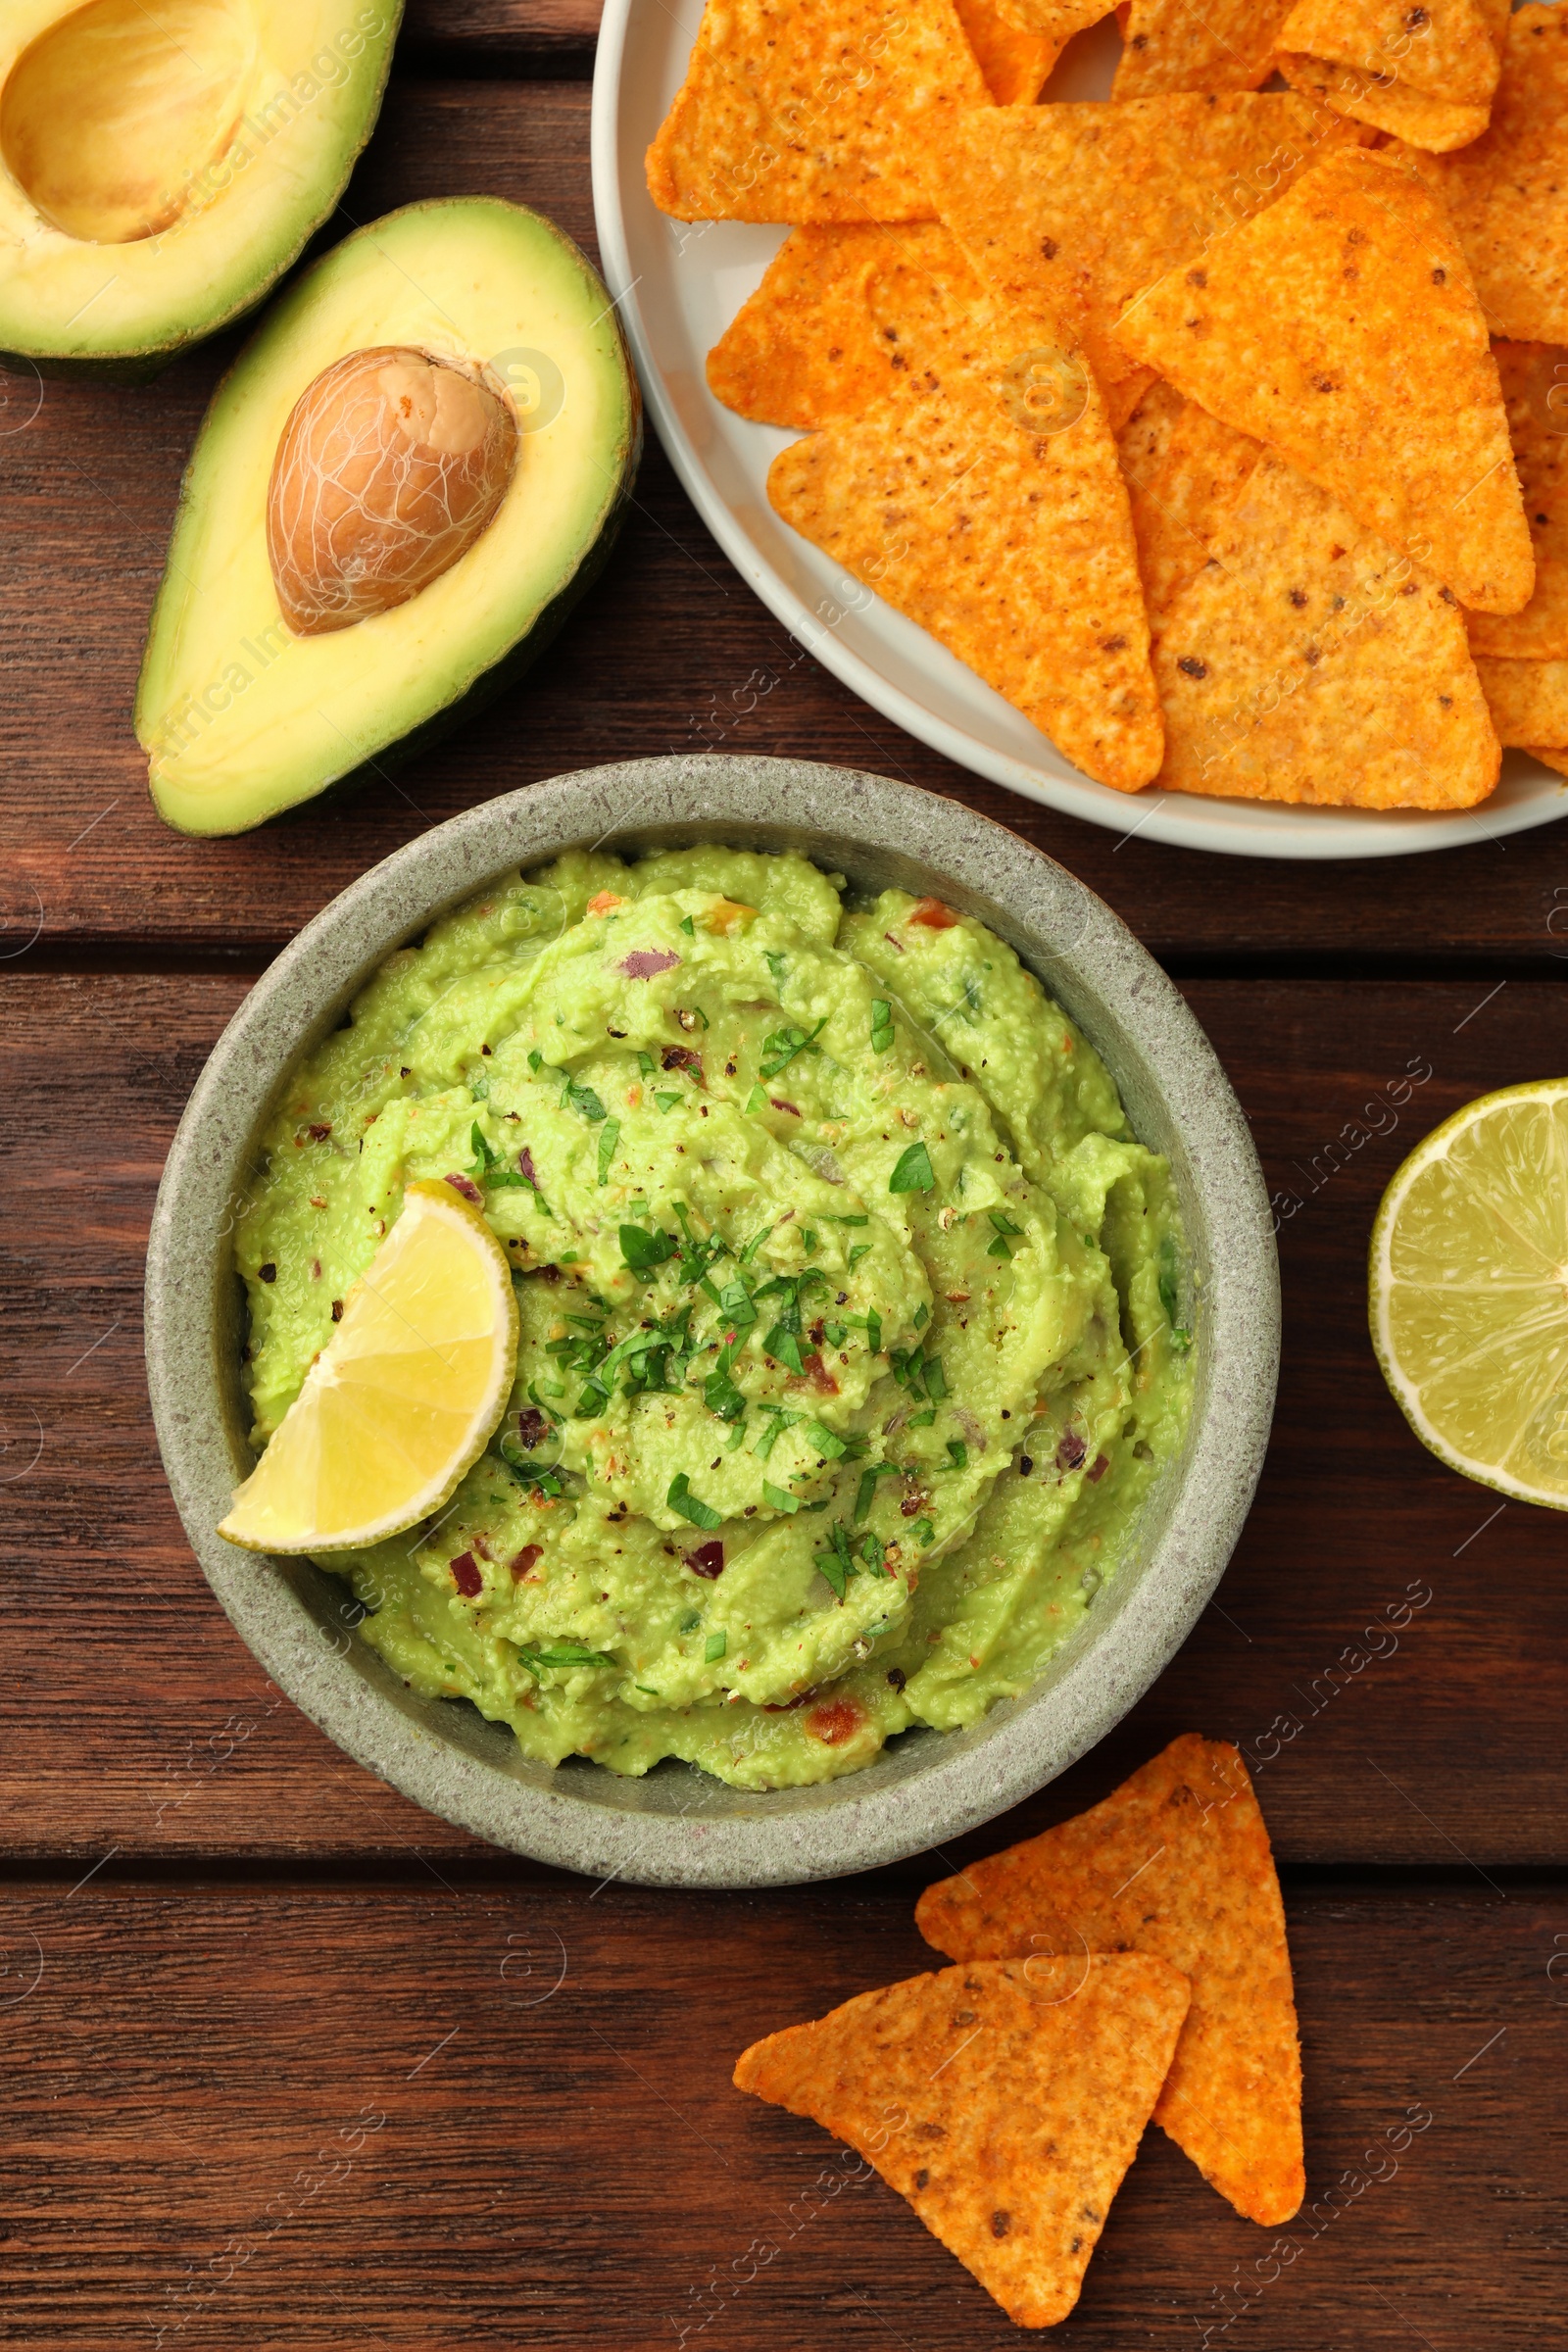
(1174, 1863)
(1123, 397)
(1342, 327)
(1183, 472)
(1433, 124)
(1004, 2100)
(1427, 75)
(1011, 543)
(1528, 701)
(1535, 395)
(1054, 21)
(1556, 760)
(1016, 64)
(813, 109)
(1508, 195)
(1307, 662)
(1071, 211)
(805, 350)
(1177, 45)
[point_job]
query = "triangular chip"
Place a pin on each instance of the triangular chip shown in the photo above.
(1016, 64)
(1004, 2100)
(1174, 1863)
(1184, 470)
(1307, 662)
(1528, 701)
(813, 109)
(1535, 395)
(1427, 75)
(1076, 208)
(1196, 46)
(1341, 325)
(1054, 21)
(1508, 195)
(1553, 759)
(807, 349)
(983, 499)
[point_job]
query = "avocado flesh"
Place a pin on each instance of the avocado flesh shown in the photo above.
(240, 718)
(160, 170)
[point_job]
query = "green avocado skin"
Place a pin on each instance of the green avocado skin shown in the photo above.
(134, 368)
(470, 686)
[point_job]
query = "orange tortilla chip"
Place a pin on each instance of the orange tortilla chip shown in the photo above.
(1183, 469)
(1177, 45)
(1535, 394)
(1342, 327)
(803, 110)
(1054, 21)
(1432, 125)
(1016, 64)
(1508, 194)
(1528, 701)
(1307, 662)
(1004, 2100)
(1174, 1863)
(1426, 75)
(1556, 760)
(1071, 211)
(983, 500)
(1126, 395)
(807, 349)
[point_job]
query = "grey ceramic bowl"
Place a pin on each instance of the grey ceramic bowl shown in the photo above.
(678, 1826)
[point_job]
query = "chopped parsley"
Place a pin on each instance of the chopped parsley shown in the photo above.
(881, 1024)
(688, 926)
(609, 1137)
(913, 1172)
(866, 1492)
(777, 965)
(757, 1100)
(781, 1046)
(582, 1100)
(701, 1514)
(666, 1103)
(642, 1251)
(779, 1498)
(1006, 1231)
(713, 1649)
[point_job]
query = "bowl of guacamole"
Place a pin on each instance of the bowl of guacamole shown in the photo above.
(897, 1308)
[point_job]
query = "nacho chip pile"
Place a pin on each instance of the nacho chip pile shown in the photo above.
(1129, 1965)
(1219, 429)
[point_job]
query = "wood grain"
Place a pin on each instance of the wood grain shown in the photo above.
(505, 30)
(142, 1723)
(671, 652)
(456, 2110)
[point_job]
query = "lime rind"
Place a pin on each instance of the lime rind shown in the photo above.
(1515, 1375)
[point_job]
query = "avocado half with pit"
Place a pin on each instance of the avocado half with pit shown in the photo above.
(412, 473)
(163, 162)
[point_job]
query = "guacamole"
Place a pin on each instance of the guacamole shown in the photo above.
(854, 1319)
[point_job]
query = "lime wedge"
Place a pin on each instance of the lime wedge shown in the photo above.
(403, 1399)
(1469, 1290)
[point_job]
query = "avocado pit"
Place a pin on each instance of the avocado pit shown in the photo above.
(391, 464)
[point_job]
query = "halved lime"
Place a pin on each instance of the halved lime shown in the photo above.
(1469, 1290)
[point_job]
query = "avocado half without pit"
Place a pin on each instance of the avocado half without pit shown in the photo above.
(413, 469)
(163, 162)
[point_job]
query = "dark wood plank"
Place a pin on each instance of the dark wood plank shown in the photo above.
(140, 1722)
(477, 30)
(460, 2111)
(670, 652)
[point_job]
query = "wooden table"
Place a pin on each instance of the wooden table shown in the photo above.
(288, 2062)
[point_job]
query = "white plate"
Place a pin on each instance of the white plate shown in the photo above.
(679, 286)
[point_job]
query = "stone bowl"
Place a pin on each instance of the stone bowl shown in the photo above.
(678, 1826)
